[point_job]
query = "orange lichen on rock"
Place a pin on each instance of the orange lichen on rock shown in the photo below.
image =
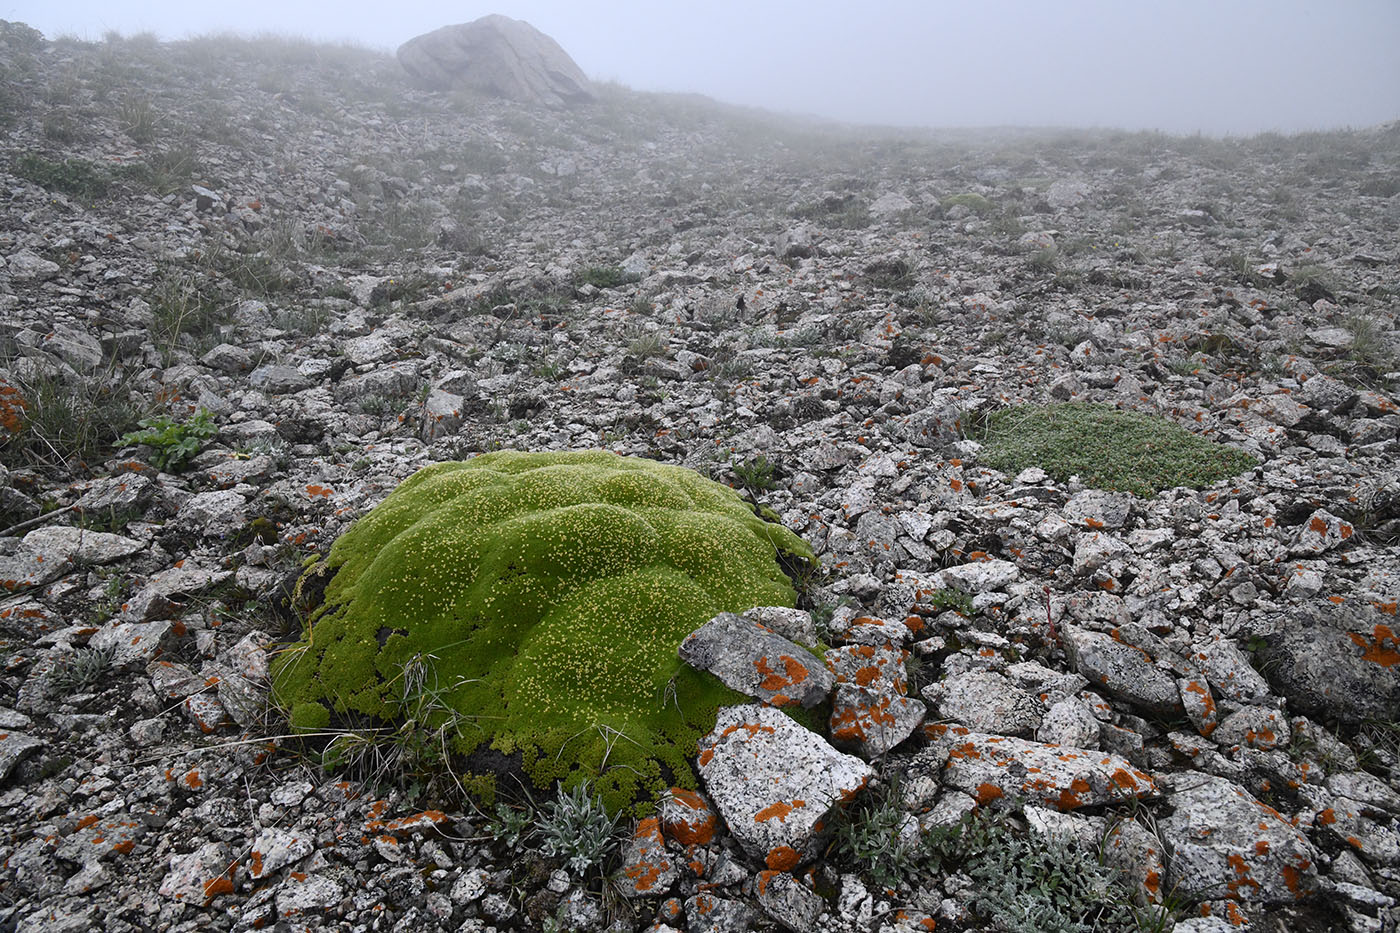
(794, 672)
(986, 793)
(696, 823)
(1381, 648)
(780, 809)
(782, 858)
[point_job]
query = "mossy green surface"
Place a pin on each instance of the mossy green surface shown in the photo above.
(551, 592)
(1107, 448)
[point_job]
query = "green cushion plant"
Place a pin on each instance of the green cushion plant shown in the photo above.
(550, 592)
(1107, 448)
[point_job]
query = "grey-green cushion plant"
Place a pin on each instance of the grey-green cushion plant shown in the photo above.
(1107, 448)
(551, 592)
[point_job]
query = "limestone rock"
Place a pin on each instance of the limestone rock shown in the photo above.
(1221, 838)
(1000, 768)
(987, 702)
(1335, 664)
(499, 55)
(873, 720)
(1122, 669)
(757, 662)
(774, 782)
(647, 871)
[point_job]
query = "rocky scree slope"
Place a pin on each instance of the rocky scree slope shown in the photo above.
(355, 279)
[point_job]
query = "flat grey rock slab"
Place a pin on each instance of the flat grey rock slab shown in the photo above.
(13, 747)
(774, 782)
(1223, 839)
(1000, 768)
(45, 554)
(1125, 671)
(755, 661)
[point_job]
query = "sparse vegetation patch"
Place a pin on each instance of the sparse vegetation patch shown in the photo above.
(1107, 448)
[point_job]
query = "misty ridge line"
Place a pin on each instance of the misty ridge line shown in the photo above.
(1084, 65)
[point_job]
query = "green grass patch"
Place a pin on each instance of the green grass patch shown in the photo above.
(1107, 448)
(973, 202)
(606, 277)
(76, 177)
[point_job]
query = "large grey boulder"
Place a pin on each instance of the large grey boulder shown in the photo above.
(499, 55)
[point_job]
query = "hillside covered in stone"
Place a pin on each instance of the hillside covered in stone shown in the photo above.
(299, 279)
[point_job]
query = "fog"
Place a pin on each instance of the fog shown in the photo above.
(1213, 66)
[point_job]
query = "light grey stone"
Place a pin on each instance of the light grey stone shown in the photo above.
(498, 55)
(1121, 669)
(774, 782)
(757, 662)
(1222, 838)
(987, 702)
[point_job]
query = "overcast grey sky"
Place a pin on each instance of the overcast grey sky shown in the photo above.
(1237, 66)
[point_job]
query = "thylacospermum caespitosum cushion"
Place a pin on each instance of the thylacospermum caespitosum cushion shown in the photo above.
(548, 592)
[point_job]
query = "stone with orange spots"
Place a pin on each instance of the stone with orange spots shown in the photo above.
(1335, 661)
(1097, 509)
(774, 782)
(875, 666)
(873, 720)
(788, 901)
(1223, 840)
(1320, 533)
(648, 870)
(710, 913)
(757, 662)
(985, 701)
(135, 642)
(105, 838)
(1229, 671)
(1125, 671)
(1138, 854)
(441, 415)
(45, 554)
(1199, 703)
(688, 818)
(205, 711)
(876, 631)
(1058, 776)
(274, 849)
(200, 875)
(1360, 827)
(1254, 727)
